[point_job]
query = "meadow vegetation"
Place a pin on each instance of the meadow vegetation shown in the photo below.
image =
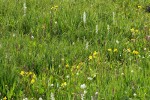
(74, 49)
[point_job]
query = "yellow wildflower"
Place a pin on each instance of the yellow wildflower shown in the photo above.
(94, 54)
(135, 52)
(115, 50)
(22, 73)
(136, 31)
(67, 65)
(34, 76)
(90, 57)
(32, 81)
(54, 7)
(139, 7)
(5, 98)
(109, 50)
(132, 30)
(63, 84)
(78, 67)
(30, 73)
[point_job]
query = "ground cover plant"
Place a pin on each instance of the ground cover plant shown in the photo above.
(74, 49)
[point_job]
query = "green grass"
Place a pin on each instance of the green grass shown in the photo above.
(50, 50)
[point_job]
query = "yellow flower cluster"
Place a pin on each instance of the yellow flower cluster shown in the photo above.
(134, 30)
(110, 50)
(22, 73)
(63, 84)
(115, 50)
(29, 74)
(94, 55)
(5, 98)
(54, 7)
(135, 52)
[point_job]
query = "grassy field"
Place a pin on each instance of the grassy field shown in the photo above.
(74, 50)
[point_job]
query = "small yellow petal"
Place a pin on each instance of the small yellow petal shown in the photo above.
(78, 67)
(136, 31)
(90, 57)
(22, 73)
(34, 76)
(139, 7)
(115, 50)
(32, 81)
(67, 65)
(5, 98)
(63, 84)
(30, 73)
(132, 30)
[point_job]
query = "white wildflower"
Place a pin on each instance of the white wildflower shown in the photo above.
(85, 91)
(90, 78)
(87, 45)
(57, 85)
(25, 99)
(52, 96)
(96, 93)
(55, 22)
(134, 94)
(67, 76)
(132, 71)
(92, 98)
(62, 59)
(117, 41)
(14, 35)
(113, 17)
(82, 97)
(40, 98)
(108, 28)
(32, 37)
(24, 8)
(83, 86)
(52, 85)
(122, 73)
(84, 17)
